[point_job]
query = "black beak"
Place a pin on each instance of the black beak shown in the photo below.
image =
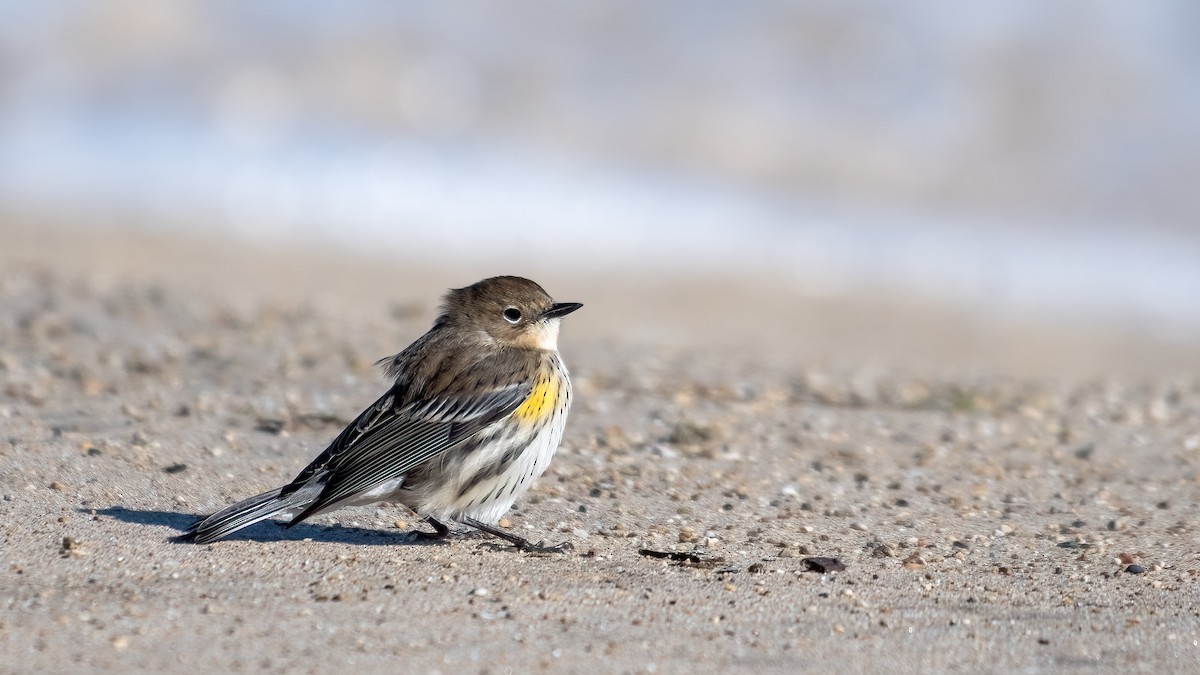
(561, 309)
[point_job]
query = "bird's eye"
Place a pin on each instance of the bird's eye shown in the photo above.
(512, 314)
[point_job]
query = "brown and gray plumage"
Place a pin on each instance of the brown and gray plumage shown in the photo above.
(475, 413)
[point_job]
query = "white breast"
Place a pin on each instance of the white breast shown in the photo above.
(490, 499)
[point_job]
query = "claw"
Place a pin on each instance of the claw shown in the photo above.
(541, 547)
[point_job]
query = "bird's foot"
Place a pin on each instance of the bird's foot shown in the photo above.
(439, 533)
(540, 547)
(518, 542)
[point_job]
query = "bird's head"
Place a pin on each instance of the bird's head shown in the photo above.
(513, 311)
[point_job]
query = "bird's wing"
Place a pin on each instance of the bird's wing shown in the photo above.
(387, 441)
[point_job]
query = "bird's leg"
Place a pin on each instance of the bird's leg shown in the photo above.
(521, 543)
(440, 531)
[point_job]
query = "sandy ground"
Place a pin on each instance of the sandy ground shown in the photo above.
(1004, 496)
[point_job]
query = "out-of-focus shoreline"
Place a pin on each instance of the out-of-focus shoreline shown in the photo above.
(749, 313)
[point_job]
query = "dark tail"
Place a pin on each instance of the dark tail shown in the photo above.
(246, 513)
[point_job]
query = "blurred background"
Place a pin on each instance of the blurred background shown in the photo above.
(1039, 156)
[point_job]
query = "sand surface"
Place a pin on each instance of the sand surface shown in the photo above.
(1005, 497)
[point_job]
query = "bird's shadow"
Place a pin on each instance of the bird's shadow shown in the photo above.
(266, 531)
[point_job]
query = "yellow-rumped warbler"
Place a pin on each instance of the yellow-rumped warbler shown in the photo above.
(476, 411)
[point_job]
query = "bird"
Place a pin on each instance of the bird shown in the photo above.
(474, 414)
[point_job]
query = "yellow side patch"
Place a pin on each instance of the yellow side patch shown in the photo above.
(540, 403)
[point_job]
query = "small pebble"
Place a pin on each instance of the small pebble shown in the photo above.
(823, 565)
(1135, 569)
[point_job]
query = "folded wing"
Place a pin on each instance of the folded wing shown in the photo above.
(386, 442)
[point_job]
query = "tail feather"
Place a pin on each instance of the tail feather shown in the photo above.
(246, 513)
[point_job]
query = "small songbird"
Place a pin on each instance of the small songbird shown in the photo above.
(475, 413)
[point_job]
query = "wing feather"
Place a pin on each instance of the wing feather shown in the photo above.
(385, 443)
